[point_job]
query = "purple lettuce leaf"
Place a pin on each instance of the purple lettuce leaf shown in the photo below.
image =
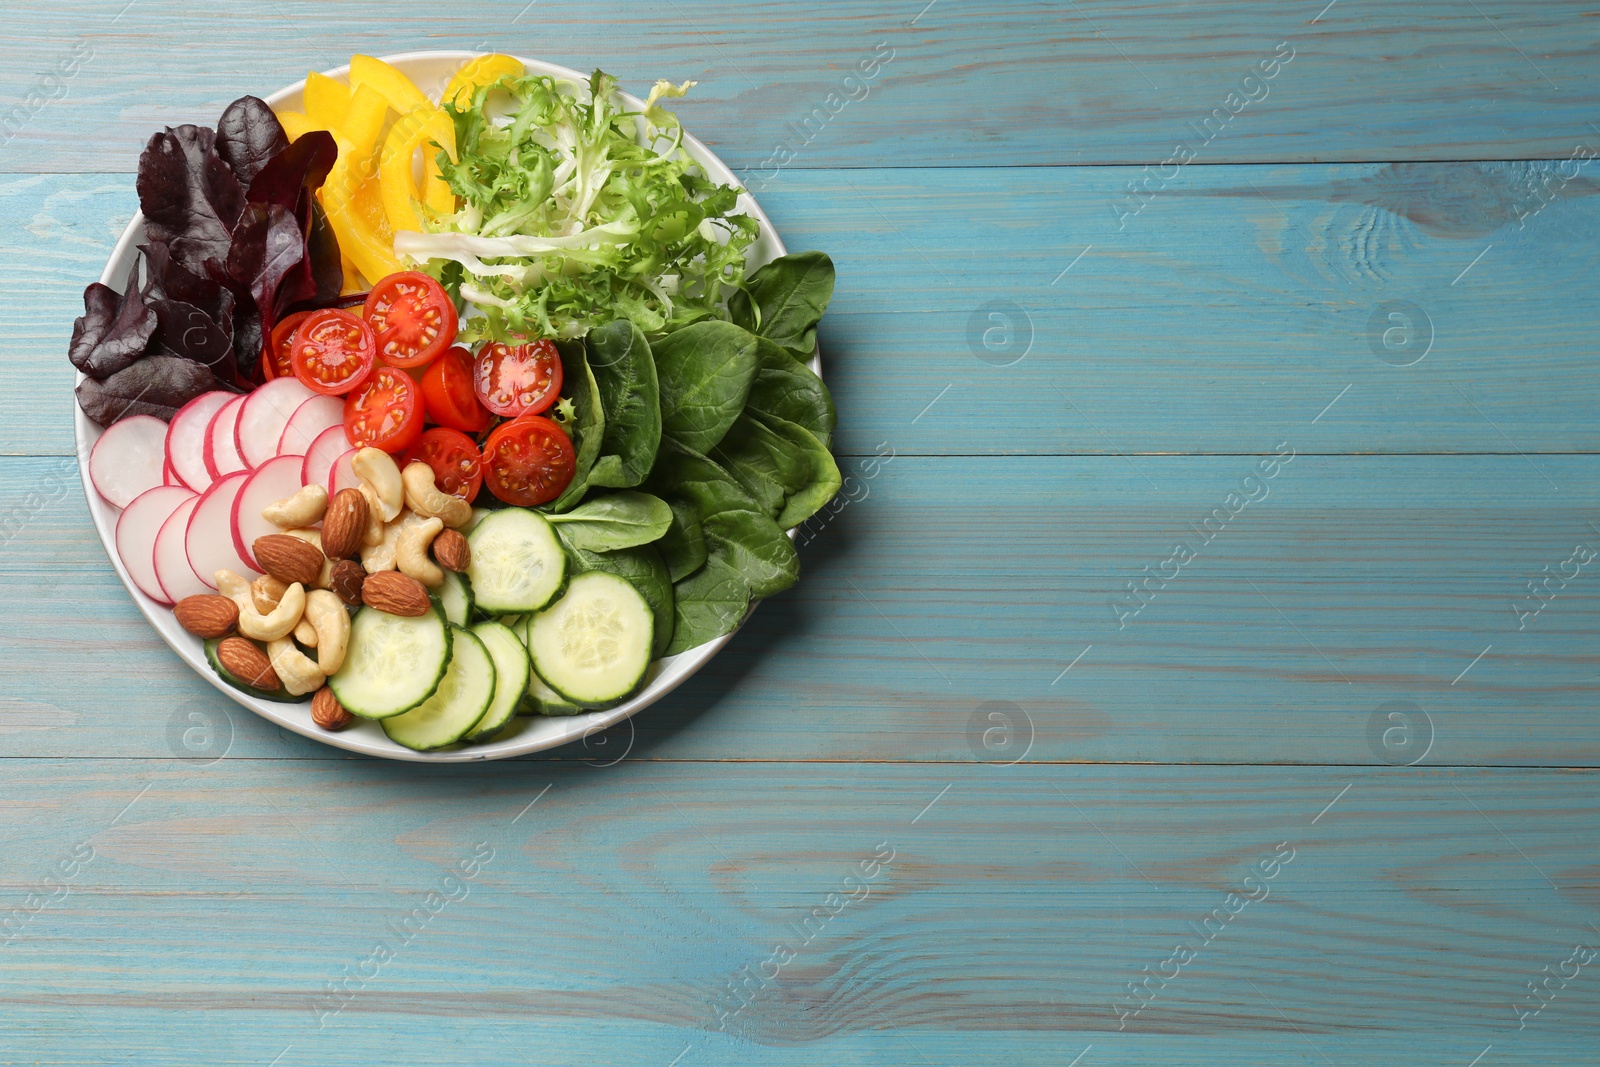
(190, 197)
(166, 279)
(303, 165)
(249, 135)
(113, 331)
(155, 385)
(186, 331)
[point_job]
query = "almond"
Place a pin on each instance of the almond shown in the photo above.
(327, 712)
(245, 661)
(346, 581)
(452, 551)
(207, 615)
(289, 559)
(344, 524)
(396, 594)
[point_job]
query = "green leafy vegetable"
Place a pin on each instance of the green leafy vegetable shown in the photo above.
(705, 371)
(780, 464)
(641, 566)
(683, 546)
(625, 372)
(582, 417)
(575, 211)
(788, 389)
(785, 299)
(707, 605)
(617, 520)
(756, 547)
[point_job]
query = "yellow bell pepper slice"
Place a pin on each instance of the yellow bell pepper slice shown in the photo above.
(296, 124)
(327, 101)
(355, 211)
(483, 70)
(422, 128)
(363, 122)
(395, 87)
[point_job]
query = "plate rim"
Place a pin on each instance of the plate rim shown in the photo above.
(190, 649)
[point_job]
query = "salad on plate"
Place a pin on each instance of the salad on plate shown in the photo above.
(441, 411)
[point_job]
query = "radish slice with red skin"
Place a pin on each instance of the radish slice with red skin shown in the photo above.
(343, 475)
(128, 459)
(309, 421)
(264, 415)
(276, 479)
(177, 578)
(170, 476)
(186, 439)
(323, 453)
(221, 455)
(137, 528)
(208, 539)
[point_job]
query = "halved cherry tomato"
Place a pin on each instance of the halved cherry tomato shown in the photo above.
(385, 412)
(457, 464)
(413, 317)
(447, 390)
(275, 357)
(528, 461)
(517, 380)
(332, 351)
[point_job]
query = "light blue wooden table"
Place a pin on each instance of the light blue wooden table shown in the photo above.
(1214, 379)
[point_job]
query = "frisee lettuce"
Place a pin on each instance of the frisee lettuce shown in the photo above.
(576, 212)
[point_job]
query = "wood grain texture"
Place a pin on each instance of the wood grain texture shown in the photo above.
(1012, 911)
(1229, 313)
(1020, 83)
(951, 583)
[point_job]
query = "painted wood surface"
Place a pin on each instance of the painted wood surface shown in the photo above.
(1236, 307)
(1071, 777)
(1024, 82)
(995, 913)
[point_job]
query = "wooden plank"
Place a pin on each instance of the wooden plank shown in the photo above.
(1010, 911)
(1024, 82)
(949, 584)
(1225, 316)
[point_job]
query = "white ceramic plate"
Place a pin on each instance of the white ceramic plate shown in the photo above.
(430, 71)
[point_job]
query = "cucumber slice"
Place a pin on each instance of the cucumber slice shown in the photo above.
(517, 562)
(393, 663)
(511, 670)
(464, 694)
(593, 645)
(455, 597)
(540, 699)
(279, 694)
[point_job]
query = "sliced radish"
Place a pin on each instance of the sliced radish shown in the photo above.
(208, 539)
(320, 457)
(137, 528)
(170, 476)
(176, 577)
(343, 475)
(221, 455)
(186, 439)
(264, 415)
(276, 479)
(314, 417)
(128, 459)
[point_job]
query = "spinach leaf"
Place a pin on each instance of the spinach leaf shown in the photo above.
(787, 388)
(588, 425)
(707, 605)
(643, 568)
(625, 372)
(618, 520)
(705, 371)
(782, 465)
(756, 547)
(683, 546)
(785, 299)
(684, 474)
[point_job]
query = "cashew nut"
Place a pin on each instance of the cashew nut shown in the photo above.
(252, 623)
(411, 552)
(377, 468)
(325, 576)
(425, 498)
(265, 592)
(304, 632)
(373, 534)
(325, 611)
(295, 670)
(381, 556)
(304, 508)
